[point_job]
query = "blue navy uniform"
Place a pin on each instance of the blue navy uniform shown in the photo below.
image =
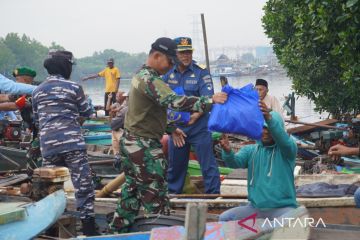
(195, 81)
(57, 105)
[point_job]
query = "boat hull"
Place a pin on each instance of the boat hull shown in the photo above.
(39, 216)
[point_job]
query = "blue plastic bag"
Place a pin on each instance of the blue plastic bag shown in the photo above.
(240, 114)
(179, 118)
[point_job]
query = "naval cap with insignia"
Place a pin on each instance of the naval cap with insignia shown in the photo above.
(24, 71)
(184, 44)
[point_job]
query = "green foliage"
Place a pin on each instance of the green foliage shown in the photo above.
(16, 51)
(318, 44)
(127, 63)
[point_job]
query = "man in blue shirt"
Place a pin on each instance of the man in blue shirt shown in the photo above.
(196, 81)
(10, 87)
(24, 78)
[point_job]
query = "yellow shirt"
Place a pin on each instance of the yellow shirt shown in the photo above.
(111, 77)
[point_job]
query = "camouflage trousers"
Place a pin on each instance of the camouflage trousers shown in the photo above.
(145, 185)
(77, 162)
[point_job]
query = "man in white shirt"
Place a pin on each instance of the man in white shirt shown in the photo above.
(271, 101)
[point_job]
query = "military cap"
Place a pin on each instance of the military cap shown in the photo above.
(24, 71)
(184, 44)
(262, 82)
(165, 45)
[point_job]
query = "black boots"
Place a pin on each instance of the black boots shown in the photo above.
(89, 227)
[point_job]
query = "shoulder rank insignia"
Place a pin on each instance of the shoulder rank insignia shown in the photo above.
(202, 66)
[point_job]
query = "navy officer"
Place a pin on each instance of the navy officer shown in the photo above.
(195, 81)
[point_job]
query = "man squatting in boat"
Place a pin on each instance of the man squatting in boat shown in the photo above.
(270, 163)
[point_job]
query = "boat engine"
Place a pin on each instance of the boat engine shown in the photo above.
(325, 139)
(45, 180)
(10, 130)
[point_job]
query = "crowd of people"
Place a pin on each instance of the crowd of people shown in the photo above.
(139, 121)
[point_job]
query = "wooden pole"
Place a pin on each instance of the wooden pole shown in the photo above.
(207, 196)
(205, 42)
(101, 162)
(111, 186)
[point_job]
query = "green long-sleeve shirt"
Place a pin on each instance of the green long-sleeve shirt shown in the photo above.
(270, 168)
(149, 99)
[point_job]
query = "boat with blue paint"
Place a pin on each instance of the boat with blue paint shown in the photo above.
(21, 219)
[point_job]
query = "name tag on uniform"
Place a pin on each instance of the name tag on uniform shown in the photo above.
(190, 81)
(173, 81)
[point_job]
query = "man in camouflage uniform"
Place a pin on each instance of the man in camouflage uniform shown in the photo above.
(145, 123)
(57, 104)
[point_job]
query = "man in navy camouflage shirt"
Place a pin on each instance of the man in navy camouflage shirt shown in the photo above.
(58, 103)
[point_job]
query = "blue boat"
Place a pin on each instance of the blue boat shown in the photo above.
(97, 125)
(24, 220)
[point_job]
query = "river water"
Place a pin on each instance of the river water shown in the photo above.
(279, 86)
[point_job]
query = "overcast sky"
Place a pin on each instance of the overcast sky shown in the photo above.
(85, 26)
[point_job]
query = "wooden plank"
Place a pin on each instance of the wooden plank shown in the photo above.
(307, 202)
(304, 129)
(327, 178)
(12, 180)
(195, 221)
(206, 196)
(11, 212)
(336, 215)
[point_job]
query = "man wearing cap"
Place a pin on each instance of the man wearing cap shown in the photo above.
(58, 103)
(23, 76)
(196, 81)
(271, 101)
(117, 112)
(112, 81)
(270, 163)
(145, 123)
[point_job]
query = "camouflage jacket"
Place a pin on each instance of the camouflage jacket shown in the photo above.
(149, 99)
(57, 105)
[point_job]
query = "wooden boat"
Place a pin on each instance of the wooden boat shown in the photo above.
(96, 125)
(12, 159)
(21, 219)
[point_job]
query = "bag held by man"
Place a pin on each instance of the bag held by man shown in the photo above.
(240, 114)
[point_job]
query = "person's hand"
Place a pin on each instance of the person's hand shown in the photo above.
(220, 97)
(178, 137)
(12, 97)
(340, 150)
(265, 110)
(194, 117)
(224, 143)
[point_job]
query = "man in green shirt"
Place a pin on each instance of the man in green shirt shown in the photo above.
(145, 123)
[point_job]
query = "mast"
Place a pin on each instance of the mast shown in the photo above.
(205, 42)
